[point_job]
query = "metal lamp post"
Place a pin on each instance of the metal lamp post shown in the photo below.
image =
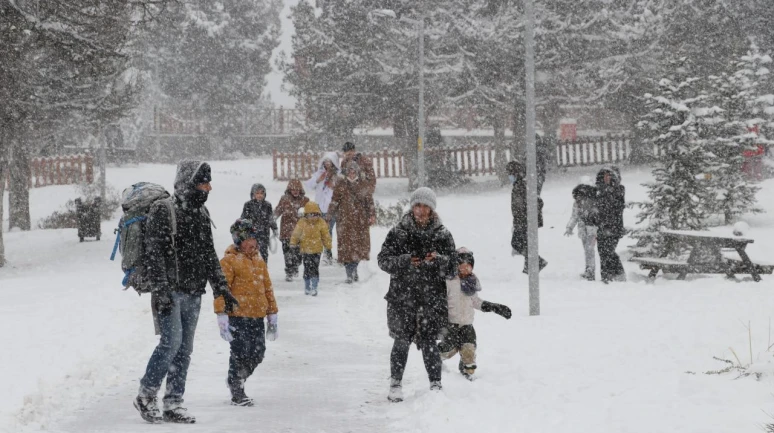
(420, 25)
(532, 195)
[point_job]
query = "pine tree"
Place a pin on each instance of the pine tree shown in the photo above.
(737, 123)
(677, 195)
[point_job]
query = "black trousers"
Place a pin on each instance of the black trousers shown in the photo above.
(311, 265)
(247, 349)
(609, 261)
(430, 355)
(519, 243)
(292, 258)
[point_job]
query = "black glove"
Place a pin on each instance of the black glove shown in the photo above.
(231, 303)
(162, 301)
(491, 307)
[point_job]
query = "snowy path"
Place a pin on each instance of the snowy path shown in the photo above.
(316, 377)
(607, 359)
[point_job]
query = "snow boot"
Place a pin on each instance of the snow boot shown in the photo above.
(178, 415)
(467, 370)
(314, 282)
(436, 385)
(541, 264)
(589, 274)
(307, 286)
(396, 391)
(288, 278)
(355, 277)
(239, 398)
(148, 408)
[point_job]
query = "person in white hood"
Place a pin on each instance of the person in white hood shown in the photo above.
(322, 182)
(462, 293)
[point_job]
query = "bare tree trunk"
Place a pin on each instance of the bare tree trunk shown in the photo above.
(518, 147)
(500, 158)
(19, 187)
(3, 175)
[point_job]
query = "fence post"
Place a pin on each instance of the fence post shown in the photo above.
(274, 163)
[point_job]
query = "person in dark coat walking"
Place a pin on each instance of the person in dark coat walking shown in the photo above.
(517, 176)
(259, 211)
(611, 202)
(419, 254)
(181, 259)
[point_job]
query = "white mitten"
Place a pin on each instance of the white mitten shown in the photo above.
(271, 327)
(225, 329)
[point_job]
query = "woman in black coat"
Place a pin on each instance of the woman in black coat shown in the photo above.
(611, 202)
(419, 254)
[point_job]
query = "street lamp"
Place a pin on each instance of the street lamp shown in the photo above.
(532, 195)
(420, 25)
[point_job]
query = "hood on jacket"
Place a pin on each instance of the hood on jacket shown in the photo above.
(191, 173)
(615, 179)
(295, 184)
(312, 207)
(330, 156)
(258, 187)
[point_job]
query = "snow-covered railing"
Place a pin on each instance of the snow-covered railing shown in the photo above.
(593, 151)
(61, 170)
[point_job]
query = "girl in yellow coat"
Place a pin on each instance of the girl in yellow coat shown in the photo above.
(311, 236)
(248, 279)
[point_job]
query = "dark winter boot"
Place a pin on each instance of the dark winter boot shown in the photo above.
(355, 277)
(148, 408)
(541, 264)
(288, 277)
(436, 385)
(239, 398)
(396, 391)
(178, 415)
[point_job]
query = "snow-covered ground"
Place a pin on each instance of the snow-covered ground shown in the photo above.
(615, 358)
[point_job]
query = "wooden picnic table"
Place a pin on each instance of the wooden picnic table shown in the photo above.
(706, 256)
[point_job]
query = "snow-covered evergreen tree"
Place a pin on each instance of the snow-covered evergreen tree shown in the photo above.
(737, 121)
(678, 192)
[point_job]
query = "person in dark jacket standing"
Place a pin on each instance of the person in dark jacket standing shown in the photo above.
(611, 202)
(259, 211)
(517, 176)
(419, 254)
(181, 259)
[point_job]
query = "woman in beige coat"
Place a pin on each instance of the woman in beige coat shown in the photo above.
(353, 208)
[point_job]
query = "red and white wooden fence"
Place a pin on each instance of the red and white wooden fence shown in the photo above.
(593, 151)
(61, 170)
(476, 160)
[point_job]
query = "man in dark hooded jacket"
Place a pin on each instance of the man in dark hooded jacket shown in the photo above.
(611, 202)
(419, 254)
(181, 259)
(517, 176)
(259, 211)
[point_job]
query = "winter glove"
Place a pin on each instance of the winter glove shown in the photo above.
(162, 301)
(272, 331)
(568, 232)
(274, 233)
(491, 307)
(225, 329)
(231, 304)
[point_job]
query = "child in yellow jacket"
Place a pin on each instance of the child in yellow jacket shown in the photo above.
(311, 236)
(248, 279)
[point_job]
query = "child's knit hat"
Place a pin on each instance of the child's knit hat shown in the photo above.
(425, 196)
(242, 230)
(464, 255)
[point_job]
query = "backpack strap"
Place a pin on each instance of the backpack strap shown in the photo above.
(121, 226)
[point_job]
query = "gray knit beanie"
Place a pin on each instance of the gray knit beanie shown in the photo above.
(425, 196)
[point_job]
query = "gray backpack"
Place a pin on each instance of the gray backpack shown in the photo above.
(136, 202)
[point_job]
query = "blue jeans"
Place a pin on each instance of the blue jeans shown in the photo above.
(172, 356)
(247, 349)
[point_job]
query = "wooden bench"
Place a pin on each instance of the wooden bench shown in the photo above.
(709, 255)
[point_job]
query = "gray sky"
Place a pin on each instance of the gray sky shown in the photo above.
(274, 79)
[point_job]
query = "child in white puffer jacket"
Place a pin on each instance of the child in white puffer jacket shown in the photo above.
(462, 294)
